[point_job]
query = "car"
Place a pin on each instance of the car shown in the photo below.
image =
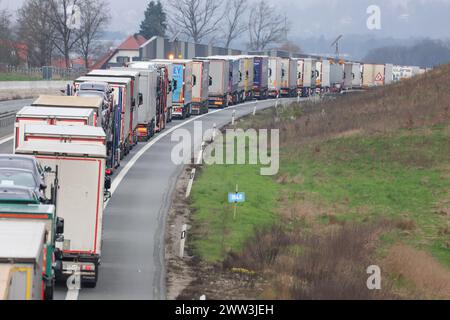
(17, 194)
(13, 177)
(23, 162)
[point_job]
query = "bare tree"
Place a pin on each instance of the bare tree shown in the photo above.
(265, 26)
(5, 36)
(36, 31)
(234, 15)
(64, 16)
(94, 17)
(197, 19)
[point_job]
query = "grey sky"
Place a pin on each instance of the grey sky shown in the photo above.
(400, 18)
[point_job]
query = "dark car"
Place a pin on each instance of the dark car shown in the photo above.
(14, 177)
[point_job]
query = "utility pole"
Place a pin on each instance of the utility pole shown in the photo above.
(336, 44)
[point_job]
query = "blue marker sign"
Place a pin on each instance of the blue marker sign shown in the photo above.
(236, 197)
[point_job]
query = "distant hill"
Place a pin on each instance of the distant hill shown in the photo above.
(426, 53)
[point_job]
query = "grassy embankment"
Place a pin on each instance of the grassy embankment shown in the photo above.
(363, 180)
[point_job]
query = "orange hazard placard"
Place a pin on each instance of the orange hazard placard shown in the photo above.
(379, 77)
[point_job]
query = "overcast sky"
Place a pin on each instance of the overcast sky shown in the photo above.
(399, 18)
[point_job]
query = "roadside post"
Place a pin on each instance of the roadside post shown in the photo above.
(233, 117)
(236, 197)
(183, 240)
(254, 109)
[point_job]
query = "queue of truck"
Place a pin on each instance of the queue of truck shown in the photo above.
(67, 147)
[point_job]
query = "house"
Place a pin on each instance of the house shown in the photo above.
(126, 52)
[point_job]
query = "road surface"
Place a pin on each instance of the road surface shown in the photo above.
(132, 265)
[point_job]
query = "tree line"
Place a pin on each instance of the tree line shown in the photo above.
(216, 22)
(54, 28)
(64, 28)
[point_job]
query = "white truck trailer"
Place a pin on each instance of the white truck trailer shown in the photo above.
(50, 116)
(122, 131)
(323, 71)
(288, 77)
(151, 118)
(309, 73)
(200, 86)
(377, 75)
(136, 101)
(80, 197)
(166, 81)
(336, 77)
(22, 260)
(275, 76)
(219, 89)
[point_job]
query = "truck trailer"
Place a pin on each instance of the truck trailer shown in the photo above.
(136, 100)
(219, 89)
(182, 92)
(30, 210)
(200, 86)
(151, 113)
(80, 198)
(377, 75)
(248, 75)
(22, 249)
(307, 68)
(165, 82)
(323, 80)
(119, 145)
(235, 82)
(260, 79)
(288, 77)
(50, 116)
(336, 77)
(275, 76)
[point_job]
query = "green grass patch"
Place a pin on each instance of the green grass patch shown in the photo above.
(402, 175)
(216, 232)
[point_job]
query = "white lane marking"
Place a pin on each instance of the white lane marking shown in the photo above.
(7, 139)
(72, 294)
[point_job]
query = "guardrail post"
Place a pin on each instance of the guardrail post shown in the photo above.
(183, 240)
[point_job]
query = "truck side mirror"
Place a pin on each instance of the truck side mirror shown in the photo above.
(59, 225)
(47, 169)
(43, 186)
(141, 99)
(210, 81)
(194, 80)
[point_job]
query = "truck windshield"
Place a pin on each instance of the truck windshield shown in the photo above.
(16, 178)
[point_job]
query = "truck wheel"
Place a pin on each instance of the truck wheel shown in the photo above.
(91, 284)
(48, 291)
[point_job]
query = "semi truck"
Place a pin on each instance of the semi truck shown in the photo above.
(22, 249)
(377, 75)
(219, 89)
(119, 145)
(151, 114)
(136, 96)
(323, 71)
(235, 84)
(182, 92)
(200, 86)
(307, 69)
(274, 75)
(357, 75)
(19, 204)
(288, 77)
(248, 74)
(260, 79)
(336, 77)
(165, 81)
(80, 198)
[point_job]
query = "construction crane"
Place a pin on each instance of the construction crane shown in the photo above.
(336, 43)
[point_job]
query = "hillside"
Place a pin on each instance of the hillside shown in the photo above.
(364, 180)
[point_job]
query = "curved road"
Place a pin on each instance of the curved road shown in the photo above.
(134, 220)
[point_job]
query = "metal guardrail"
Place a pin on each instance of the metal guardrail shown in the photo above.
(47, 73)
(7, 119)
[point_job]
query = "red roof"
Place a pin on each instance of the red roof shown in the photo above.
(132, 42)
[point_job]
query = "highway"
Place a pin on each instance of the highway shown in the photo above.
(132, 265)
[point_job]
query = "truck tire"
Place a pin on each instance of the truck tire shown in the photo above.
(48, 290)
(91, 284)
